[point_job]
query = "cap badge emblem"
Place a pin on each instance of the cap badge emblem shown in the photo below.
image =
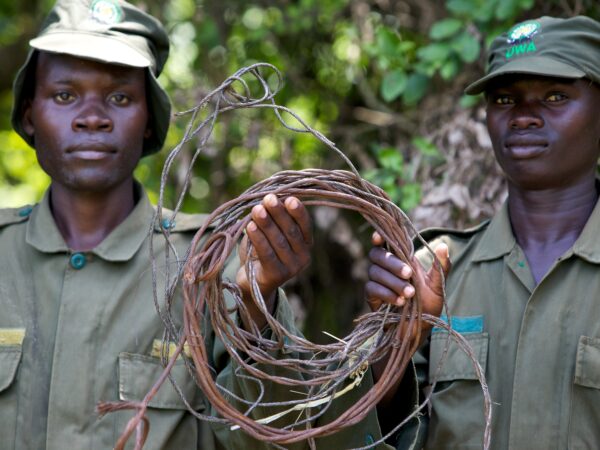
(523, 31)
(107, 12)
(520, 39)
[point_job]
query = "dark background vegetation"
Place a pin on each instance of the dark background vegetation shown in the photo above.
(381, 78)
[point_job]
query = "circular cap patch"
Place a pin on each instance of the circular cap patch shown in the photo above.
(523, 31)
(107, 12)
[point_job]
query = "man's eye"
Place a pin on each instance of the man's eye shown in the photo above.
(556, 97)
(63, 97)
(503, 100)
(119, 99)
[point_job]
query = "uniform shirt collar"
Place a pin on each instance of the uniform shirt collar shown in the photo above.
(498, 238)
(587, 245)
(120, 245)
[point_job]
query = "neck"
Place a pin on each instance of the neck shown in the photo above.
(551, 214)
(85, 219)
(546, 223)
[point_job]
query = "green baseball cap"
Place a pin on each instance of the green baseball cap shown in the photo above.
(548, 46)
(109, 31)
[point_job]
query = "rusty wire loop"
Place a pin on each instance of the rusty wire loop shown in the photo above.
(321, 372)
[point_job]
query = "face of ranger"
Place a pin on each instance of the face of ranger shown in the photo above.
(545, 131)
(89, 121)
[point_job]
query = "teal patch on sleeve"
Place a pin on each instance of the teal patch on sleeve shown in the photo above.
(463, 324)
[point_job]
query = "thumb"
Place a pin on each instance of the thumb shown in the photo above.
(377, 239)
(439, 272)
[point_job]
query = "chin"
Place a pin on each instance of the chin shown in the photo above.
(92, 183)
(91, 177)
(535, 182)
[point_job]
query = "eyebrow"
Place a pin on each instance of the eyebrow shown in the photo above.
(116, 80)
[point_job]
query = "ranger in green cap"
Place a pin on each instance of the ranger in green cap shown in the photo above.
(78, 323)
(524, 288)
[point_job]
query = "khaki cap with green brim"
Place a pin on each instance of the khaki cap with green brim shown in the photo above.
(112, 32)
(548, 46)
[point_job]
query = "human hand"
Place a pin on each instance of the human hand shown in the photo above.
(389, 282)
(281, 236)
(389, 279)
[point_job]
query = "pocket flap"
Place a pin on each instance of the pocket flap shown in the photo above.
(138, 373)
(587, 367)
(9, 362)
(457, 365)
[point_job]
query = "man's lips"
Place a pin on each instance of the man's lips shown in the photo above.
(91, 151)
(521, 148)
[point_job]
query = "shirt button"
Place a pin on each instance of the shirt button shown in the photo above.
(24, 212)
(78, 261)
(168, 224)
(369, 439)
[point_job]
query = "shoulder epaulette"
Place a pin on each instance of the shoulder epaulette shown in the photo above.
(429, 234)
(10, 216)
(181, 223)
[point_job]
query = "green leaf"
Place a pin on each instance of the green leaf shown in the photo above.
(449, 69)
(461, 7)
(468, 101)
(395, 193)
(388, 181)
(425, 68)
(390, 158)
(370, 175)
(411, 196)
(388, 42)
(393, 85)
(486, 12)
(445, 28)
(416, 86)
(425, 146)
(434, 52)
(466, 46)
(507, 9)
(406, 47)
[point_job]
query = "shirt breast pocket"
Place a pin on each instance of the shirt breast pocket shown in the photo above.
(171, 425)
(584, 431)
(10, 357)
(457, 414)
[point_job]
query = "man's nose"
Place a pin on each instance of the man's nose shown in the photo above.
(525, 116)
(92, 117)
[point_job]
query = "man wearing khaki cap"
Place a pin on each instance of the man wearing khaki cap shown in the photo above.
(524, 288)
(78, 323)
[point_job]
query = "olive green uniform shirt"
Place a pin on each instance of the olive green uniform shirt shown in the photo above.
(80, 328)
(539, 345)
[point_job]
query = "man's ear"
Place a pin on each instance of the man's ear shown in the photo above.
(148, 133)
(26, 121)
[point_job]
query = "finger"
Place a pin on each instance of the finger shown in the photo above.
(377, 294)
(436, 276)
(443, 254)
(377, 239)
(392, 263)
(262, 246)
(300, 215)
(243, 251)
(244, 244)
(283, 232)
(382, 277)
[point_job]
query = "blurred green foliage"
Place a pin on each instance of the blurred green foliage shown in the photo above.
(336, 56)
